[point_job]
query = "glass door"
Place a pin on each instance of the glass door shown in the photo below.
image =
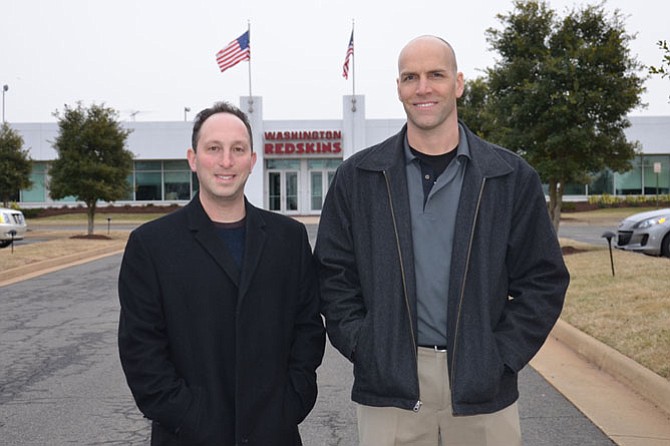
(283, 188)
(316, 190)
(321, 173)
(291, 187)
(319, 182)
(274, 191)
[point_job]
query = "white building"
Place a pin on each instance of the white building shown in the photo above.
(297, 159)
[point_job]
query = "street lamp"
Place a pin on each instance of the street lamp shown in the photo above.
(4, 88)
(186, 110)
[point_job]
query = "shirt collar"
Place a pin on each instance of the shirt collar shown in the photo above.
(462, 150)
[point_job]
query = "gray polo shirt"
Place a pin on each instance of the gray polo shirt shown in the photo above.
(433, 230)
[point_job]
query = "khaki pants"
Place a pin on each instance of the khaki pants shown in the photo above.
(433, 424)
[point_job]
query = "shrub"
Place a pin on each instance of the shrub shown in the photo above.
(611, 201)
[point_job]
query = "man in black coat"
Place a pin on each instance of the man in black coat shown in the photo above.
(220, 334)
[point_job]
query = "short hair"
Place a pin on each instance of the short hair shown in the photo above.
(218, 107)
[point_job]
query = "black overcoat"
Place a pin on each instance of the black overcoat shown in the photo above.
(176, 282)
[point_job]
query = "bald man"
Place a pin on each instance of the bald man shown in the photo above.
(440, 271)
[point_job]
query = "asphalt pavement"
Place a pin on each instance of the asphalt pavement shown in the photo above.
(61, 383)
(586, 233)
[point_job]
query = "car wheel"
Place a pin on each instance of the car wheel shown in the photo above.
(5, 243)
(665, 245)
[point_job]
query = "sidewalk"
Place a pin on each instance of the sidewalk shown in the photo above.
(591, 376)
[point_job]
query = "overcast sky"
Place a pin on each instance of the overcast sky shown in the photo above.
(152, 58)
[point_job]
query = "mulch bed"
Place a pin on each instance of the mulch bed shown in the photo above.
(91, 237)
(567, 250)
(127, 209)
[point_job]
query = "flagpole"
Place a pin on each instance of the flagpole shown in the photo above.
(251, 100)
(353, 72)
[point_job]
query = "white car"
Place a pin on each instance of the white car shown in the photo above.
(12, 226)
(646, 232)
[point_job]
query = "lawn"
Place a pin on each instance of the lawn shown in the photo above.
(629, 311)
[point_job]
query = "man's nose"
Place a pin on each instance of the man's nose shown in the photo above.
(423, 86)
(226, 158)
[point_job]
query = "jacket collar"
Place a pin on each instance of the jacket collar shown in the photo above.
(253, 248)
(205, 234)
(384, 155)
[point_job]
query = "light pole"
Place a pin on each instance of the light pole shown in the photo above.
(186, 110)
(4, 89)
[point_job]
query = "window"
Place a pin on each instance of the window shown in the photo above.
(177, 180)
(130, 195)
(602, 183)
(148, 186)
(630, 183)
(177, 185)
(274, 164)
(324, 164)
(656, 182)
(38, 191)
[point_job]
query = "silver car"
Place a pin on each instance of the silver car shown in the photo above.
(12, 226)
(646, 232)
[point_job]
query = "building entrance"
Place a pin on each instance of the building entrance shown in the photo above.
(283, 191)
(298, 186)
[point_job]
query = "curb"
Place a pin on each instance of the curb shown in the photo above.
(46, 266)
(646, 383)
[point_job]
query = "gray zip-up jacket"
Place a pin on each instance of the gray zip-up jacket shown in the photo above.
(508, 279)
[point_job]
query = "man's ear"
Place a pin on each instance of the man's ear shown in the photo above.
(190, 156)
(460, 84)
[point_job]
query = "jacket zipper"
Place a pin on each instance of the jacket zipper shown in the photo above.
(418, 403)
(465, 277)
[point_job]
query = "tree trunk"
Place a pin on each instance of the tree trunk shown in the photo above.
(555, 202)
(91, 216)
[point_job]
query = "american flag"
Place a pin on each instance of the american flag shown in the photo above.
(350, 52)
(235, 52)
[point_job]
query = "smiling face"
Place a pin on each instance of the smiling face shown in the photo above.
(223, 161)
(429, 84)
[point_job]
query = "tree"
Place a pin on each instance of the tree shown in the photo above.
(664, 68)
(15, 164)
(561, 90)
(92, 163)
(473, 107)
